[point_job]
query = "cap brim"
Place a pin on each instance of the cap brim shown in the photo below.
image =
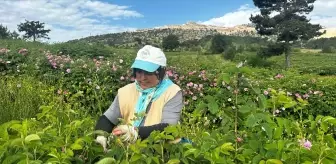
(145, 65)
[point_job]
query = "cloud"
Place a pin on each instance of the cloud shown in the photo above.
(241, 16)
(324, 13)
(67, 19)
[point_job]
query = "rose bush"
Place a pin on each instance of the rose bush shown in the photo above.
(232, 114)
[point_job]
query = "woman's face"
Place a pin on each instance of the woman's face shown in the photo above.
(146, 79)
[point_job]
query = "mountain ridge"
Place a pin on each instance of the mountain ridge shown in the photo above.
(185, 32)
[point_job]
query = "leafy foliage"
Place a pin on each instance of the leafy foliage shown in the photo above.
(170, 42)
(328, 49)
(6, 34)
(273, 49)
(232, 114)
(33, 29)
(219, 44)
(320, 43)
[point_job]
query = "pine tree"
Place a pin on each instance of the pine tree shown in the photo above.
(33, 29)
(286, 20)
(4, 32)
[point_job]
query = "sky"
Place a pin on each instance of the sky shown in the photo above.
(74, 19)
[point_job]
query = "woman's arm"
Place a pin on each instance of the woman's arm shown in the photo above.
(109, 119)
(170, 116)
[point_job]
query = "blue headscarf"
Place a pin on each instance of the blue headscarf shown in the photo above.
(148, 95)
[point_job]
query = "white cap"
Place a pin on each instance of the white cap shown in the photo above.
(149, 58)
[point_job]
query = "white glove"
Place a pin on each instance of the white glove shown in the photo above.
(102, 140)
(128, 133)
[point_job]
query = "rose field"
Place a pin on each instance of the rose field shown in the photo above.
(52, 95)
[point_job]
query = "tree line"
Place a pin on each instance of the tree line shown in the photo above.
(31, 29)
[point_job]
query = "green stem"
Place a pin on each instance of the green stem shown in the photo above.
(127, 153)
(162, 153)
(236, 123)
(320, 156)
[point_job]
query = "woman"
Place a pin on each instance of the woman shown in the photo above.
(151, 93)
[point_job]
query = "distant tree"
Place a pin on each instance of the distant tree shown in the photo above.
(170, 42)
(14, 35)
(4, 32)
(138, 42)
(219, 43)
(288, 24)
(33, 29)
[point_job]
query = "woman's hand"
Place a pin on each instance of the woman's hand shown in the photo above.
(127, 133)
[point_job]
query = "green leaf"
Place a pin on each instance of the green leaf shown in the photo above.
(135, 158)
(251, 121)
(69, 152)
(330, 140)
(290, 104)
(262, 162)
(35, 162)
(184, 161)
(149, 160)
(156, 160)
(107, 160)
(245, 109)
(269, 131)
(307, 162)
(17, 142)
(76, 146)
(45, 110)
(324, 126)
(254, 144)
(281, 145)
(32, 137)
(169, 137)
(17, 127)
(329, 119)
(3, 132)
(226, 148)
(256, 159)
(288, 126)
(262, 101)
(248, 152)
(226, 77)
(280, 121)
(190, 151)
(212, 104)
(256, 90)
(240, 157)
(12, 159)
(278, 132)
(25, 127)
(327, 161)
(273, 161)
(173, 161)
(271, 146)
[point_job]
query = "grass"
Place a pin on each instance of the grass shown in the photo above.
(309, 62)
(21, 98)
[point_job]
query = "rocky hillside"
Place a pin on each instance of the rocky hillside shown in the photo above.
(185, 32)
(188, 31)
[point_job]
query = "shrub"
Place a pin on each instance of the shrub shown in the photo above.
(328, 49)
(230, 53)
(219, 43)
(257, 61)
(274, 49)
(81, 49)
